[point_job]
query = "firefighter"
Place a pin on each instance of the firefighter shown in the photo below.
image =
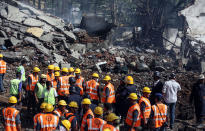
(87, 112)
(32, 80)
(133, 115)
(71, 117)
(92, 89)
(11, 116)
(47, 121)
(50, 73)
(97, 122)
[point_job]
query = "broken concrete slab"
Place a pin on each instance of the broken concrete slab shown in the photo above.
(81, 48)
(58, 58)
(3, 13)
(142, 67)
(3, 34)
(33, 22)
(67, 65)
(75, 54)
(35, 31)
(100, 64)
(70, 35)
(12, 41)
(119, 60)
(47, 38)
(11, 57)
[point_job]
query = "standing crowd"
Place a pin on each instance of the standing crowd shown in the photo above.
(63, 100)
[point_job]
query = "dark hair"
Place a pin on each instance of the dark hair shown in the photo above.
(48, 83)
(23, 62)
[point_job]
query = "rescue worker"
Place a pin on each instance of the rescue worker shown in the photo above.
(108, 95)
(158, 115)
(47, 121)
(87, 112)
(56, 80)
(11, 116)
(133, 115)
(71, 72)
(197, 97)
(73, 108)
(61, 110)
(22, 70)
(49, 94)
(16, 86)
(65, 125)
(35, 118)
(2, 72)
(56, 69)
(157, 86)
(38, 91)
(50, 73)
(92, 89)
(80, 81)
(111, 118)
(32, 80)
(63, 87)
(145, 107)
(96, 123)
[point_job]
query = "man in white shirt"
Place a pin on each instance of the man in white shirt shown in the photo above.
(170, 89)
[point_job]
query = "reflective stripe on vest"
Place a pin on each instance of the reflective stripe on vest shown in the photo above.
(35, 118)
(111, 97)
(147, 111)
(49, 96)
(57, 112)
(79, 82)
(92, 89)
(2, 67)
(159, 119)
(64, 86)
(9, 115)
(129, 118)
(54, 84)
(34, 80)
(50, 78)
(95, 124)
(46, 121)
(89, 112)
(14, 89)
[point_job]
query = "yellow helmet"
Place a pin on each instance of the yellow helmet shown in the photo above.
(133, 96)
(129, 80)
(66, 124)
(107, 129)
(77, 71)
(73, 104)
(62, 103)
(86, 101)
(1, 55)
(36, 69)
(51, 67)
(43, 105)
(57, 73)
(71, 69)
(95, 75)
(146, 90)
(107, 78)
(56, 68)
(49, 108)
(13, 100)
(111, 117)
(98, 110)
(43, 76)
(64, 69)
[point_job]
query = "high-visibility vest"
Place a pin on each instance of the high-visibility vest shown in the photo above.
(111, 97)
(158, 118)
(64, 86)
(79, 83)
(70, 117)
(34, 80)
(147, 111)
(23, 76)
(50, 78)
(35, 118)
(95, 124)
(41, 88)
(14, 89)
(58, 112)
(129, 118)
(84, 120)
(49, 96)
(108, 126)
(48, 122)
(9, 115)
(54, 83)
(2, 67)
(92, 89)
